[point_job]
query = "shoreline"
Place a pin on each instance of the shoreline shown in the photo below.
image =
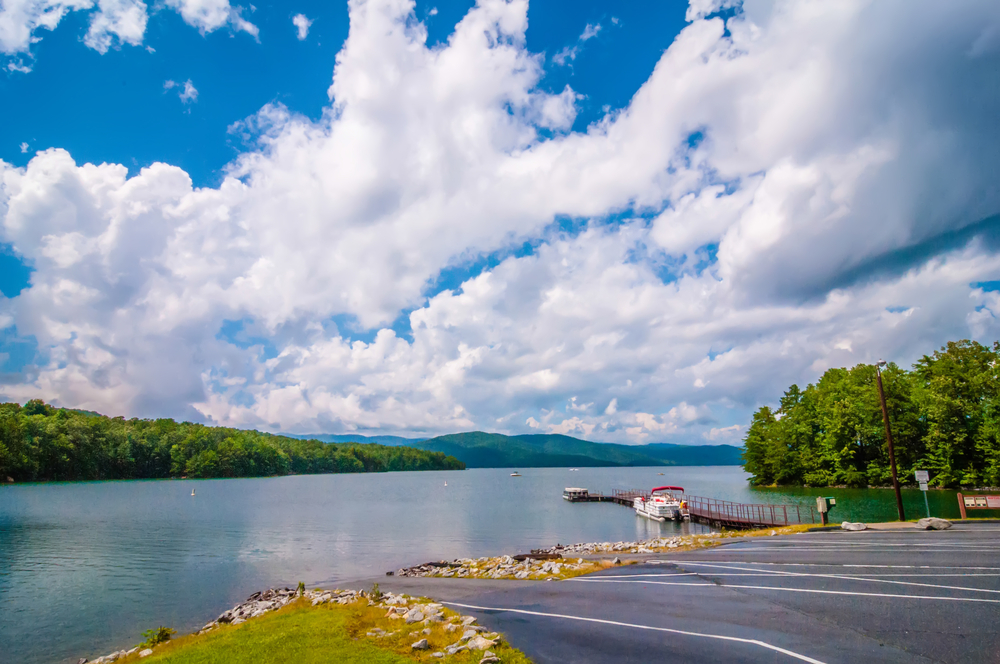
(541, 565)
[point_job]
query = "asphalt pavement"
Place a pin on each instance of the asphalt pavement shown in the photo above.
(871, 596)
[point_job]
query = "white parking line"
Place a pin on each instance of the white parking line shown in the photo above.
(875, 566)
(800, 590)
(616, 623)
(766, 573)
(783, 573)
(788, 549)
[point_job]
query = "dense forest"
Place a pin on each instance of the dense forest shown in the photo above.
(40, 442)
(944, 412)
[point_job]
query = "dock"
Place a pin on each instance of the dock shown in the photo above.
(714, 512)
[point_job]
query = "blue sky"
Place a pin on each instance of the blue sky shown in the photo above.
(113, 108)
(631, 222)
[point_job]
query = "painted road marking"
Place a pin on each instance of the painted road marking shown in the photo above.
(775, 549)
(802, 590)
(616, 623)
(761, 572)
(782, 573)
(873, 566)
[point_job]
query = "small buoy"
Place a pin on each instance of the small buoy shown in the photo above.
(446, 484)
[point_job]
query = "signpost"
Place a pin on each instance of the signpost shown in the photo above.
(923, 477)
(977, 503)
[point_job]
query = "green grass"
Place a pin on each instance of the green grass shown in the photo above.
(297, 634)
(304, 634)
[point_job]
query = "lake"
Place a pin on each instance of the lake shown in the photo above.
(86, 567)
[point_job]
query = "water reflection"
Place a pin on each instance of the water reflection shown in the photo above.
(84, 568)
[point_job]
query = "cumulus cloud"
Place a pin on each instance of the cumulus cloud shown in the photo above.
(124, 19)
(24, 148)
(301, 23)
(112, 22)
(187, 93)
(210, 15)
(800, 186)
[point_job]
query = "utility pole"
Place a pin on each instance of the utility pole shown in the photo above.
(888, 438)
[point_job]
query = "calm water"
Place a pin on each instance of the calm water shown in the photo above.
(86, 567)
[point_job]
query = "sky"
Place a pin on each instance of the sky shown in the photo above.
(627, 222)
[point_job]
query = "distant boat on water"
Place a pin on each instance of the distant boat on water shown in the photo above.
(192, 492)
(515, 474)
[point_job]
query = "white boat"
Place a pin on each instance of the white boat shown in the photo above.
(192, 492)
(662, 504)
(515, 474)
(573, 494)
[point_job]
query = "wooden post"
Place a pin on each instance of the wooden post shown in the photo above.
(961, 505)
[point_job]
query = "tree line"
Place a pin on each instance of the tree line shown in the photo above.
(41, 442)
(944, 413)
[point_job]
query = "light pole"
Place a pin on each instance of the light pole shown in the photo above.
(888, 438)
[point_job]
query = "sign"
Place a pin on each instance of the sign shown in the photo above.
(993, 502)
(922, 476)
(923, 486)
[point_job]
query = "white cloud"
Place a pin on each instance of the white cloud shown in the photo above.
(123, 20)
(210, 15)
(590, 32)
(20, 19)
(729, 435)
(569, 53)
(301, 23)
(805, 189)
(187, 93)
(24, 148)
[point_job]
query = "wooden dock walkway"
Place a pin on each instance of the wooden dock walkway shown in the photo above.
(718, 513)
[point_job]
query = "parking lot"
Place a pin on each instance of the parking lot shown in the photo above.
(872, 596)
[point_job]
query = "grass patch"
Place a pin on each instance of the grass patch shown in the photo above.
(304, 634)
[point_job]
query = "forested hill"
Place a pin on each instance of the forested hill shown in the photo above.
(40, 442)
(945, 416)
(493, 450)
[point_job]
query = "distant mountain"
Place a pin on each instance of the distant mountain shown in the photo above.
(391, 441)
(493, 450)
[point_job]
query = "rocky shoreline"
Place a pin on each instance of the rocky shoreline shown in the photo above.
(418, 616)
(551, 564)
(548, 564)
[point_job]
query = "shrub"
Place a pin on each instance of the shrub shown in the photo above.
(157, 636)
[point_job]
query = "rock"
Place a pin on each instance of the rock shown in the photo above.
(454, 648)
(480, 643)
(421, 645)
(489, 658)
(414, 615)
(468, 620)
(616, 561)
(82, 660)
(146, 653)
(847, 525)
(932, 523)
(390, 573)
(439, 655)
(451, 628)
(468, 634)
